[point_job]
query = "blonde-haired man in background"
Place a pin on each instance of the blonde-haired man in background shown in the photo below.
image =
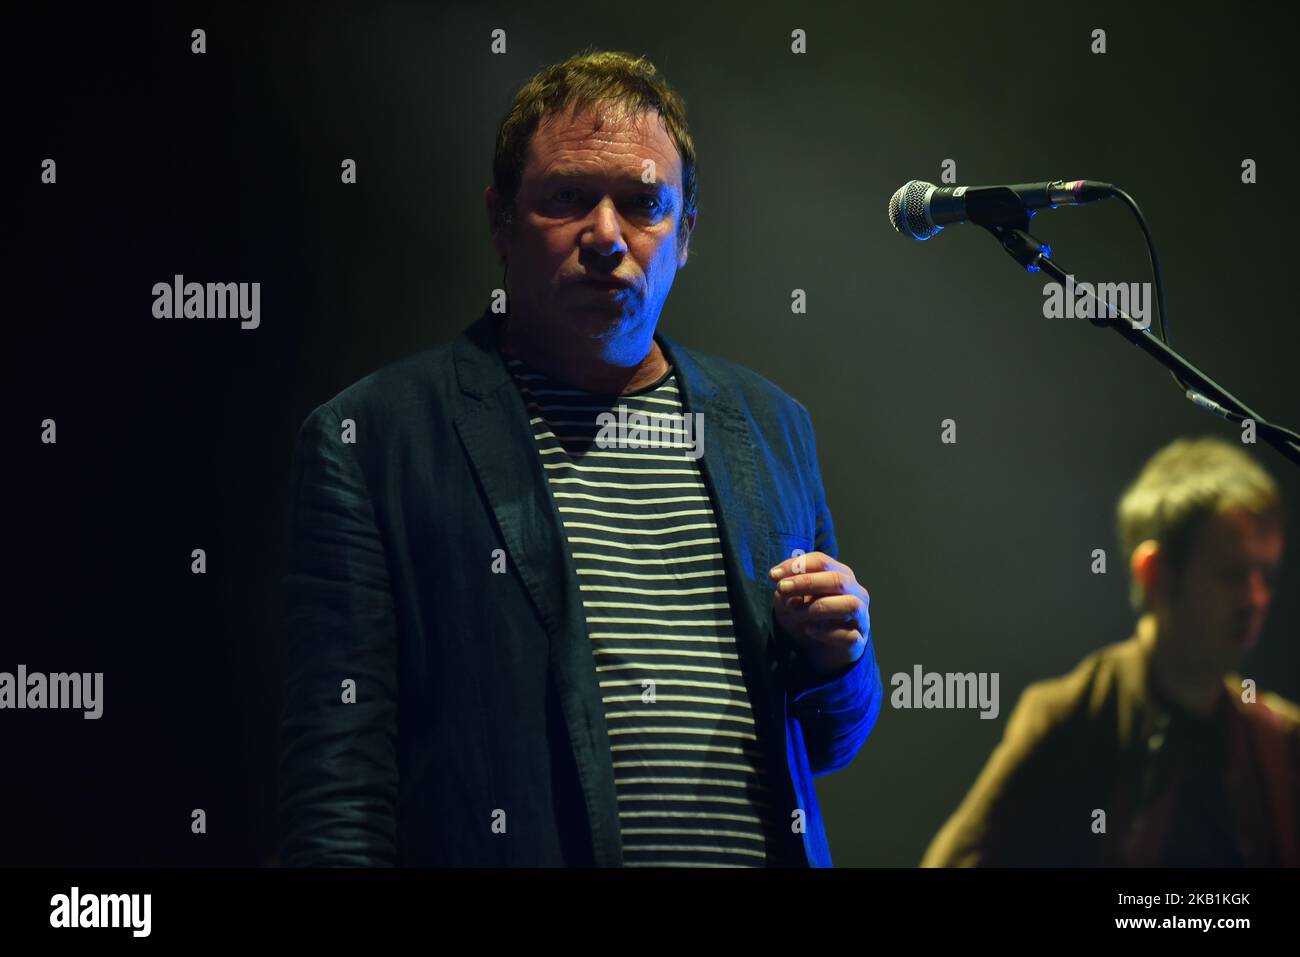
(1153, 751)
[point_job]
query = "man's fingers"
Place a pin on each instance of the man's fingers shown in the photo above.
(826, 607)
(834, 630)
(799, 564)
(833, 582)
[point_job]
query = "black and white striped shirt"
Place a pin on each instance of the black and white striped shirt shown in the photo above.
(690, 775)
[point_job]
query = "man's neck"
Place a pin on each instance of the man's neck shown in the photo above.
(586, 370)
(1196, 690)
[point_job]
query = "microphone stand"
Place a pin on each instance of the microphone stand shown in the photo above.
(1001, 212)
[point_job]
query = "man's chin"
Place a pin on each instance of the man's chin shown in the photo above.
(597, 322)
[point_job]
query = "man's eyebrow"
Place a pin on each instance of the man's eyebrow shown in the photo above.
(632, 181)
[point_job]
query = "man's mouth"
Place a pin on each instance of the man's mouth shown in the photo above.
(606, 283)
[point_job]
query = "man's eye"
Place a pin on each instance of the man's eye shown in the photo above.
(652, 202)
(567, 195)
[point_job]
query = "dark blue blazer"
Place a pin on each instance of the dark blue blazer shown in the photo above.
(428, 698)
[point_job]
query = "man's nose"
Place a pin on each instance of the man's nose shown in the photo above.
(606, 234)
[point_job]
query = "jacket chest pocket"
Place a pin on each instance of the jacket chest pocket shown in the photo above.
(783, 545)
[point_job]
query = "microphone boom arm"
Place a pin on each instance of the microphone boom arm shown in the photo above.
(1011, 229)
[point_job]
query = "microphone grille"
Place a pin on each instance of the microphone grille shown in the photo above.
(907, 210)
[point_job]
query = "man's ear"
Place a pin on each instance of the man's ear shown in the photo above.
(685, 250)
(1147, 567)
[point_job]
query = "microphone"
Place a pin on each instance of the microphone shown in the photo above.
(920, 210)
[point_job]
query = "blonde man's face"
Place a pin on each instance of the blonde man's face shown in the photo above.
(1227, 588)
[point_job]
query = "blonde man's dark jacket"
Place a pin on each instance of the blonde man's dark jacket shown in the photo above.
(1100, 748)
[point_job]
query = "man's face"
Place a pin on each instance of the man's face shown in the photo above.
(594, 249)
(1218, 612)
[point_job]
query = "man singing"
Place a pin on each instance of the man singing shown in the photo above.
(521, 635)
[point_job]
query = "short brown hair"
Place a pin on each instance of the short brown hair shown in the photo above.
(1180, 486)
(622, 80)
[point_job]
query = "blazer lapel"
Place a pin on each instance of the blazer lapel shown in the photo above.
(492, 422)
(729, 466)
(730, 469)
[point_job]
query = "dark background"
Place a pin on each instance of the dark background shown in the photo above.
(176, 434)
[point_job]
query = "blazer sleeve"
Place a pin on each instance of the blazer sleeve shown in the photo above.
(1001, 821)
(338, 750)
(838, 712)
